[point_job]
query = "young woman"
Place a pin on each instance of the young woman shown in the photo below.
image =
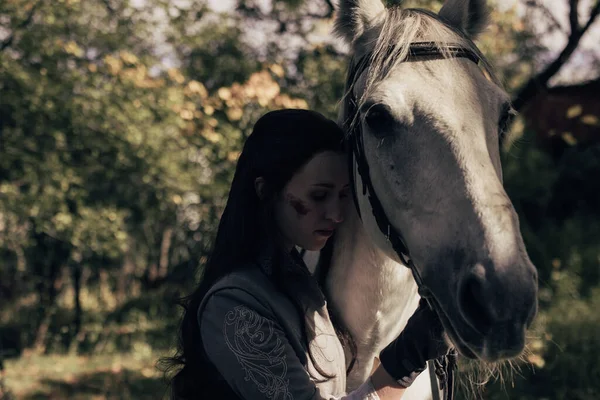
(258, 327)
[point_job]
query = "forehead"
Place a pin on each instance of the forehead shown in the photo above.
(431, 80)
(324, 167)
(454, 93)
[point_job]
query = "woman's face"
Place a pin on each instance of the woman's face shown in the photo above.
(314, 201)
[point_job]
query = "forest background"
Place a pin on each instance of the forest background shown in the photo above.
(120, 125)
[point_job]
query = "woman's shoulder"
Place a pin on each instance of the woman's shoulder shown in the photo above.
(247, 277)
(246, 284)
(249, 287)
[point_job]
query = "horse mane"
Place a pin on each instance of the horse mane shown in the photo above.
(399, 29)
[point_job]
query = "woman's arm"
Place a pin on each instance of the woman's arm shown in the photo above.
(250, 349)
(385, 386)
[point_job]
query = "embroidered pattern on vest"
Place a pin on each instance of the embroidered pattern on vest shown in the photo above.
(260, 351)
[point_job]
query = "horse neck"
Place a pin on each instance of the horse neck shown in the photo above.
(369, 287)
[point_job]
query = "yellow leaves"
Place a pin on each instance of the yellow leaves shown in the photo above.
(62, 221)
(234, 114)
(232, 156)
(150, 83)
(262, 88)
(136, 75)
(7, 188)
(128, 67)
(518, 25)
(73, 48)
(285, 101)
(175, 75)
(186, 110)
(574, 111)
(211, 135)
(92, 68)
(536, 360)
(556, 263)
(224, 93)
(590, 119)
(128, 57)
(198, 114)
(186, 115)
(114, 64)
(28, 6)
(277, 70)
(195, 88)
(569, 138)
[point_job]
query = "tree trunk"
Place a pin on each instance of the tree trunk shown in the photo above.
(77, 318)
(50, 259)
(127, 270)
(165, 246)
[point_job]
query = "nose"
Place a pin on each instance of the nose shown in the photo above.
(491, 296)
(335, 211)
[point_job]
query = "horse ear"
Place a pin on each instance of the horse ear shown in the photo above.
(355, 17)
(470, 16)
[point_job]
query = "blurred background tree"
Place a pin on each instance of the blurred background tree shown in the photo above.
(120, 125)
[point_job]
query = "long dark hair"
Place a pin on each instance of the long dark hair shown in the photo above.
(280, 144)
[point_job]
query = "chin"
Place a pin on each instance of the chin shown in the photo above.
(314, 246)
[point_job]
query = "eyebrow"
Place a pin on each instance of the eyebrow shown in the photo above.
(330, 185)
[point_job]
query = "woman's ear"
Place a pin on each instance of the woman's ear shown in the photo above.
(259, 187)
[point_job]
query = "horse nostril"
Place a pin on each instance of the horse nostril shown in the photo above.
(472, 304)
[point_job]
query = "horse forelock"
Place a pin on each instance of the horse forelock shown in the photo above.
(390, 46)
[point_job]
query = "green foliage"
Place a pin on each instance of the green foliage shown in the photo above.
(561, 231)
(565, 352)
(321, 79)
(120, 124)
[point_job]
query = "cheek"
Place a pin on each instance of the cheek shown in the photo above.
(299, 206)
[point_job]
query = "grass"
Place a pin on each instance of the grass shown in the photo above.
(115, 357)
(97, 377)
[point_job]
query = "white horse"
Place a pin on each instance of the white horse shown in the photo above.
(429, 120)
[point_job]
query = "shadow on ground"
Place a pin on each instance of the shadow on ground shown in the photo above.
(124, 384)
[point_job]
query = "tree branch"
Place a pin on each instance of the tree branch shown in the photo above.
(593, 15)
(8, 41)
(109, 7)
(540, 81)
(553, 22)
(573, 17)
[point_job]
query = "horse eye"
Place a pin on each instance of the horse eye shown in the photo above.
(506, 118)
(379, 119)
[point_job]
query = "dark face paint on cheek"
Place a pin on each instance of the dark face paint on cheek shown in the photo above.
(298, 205)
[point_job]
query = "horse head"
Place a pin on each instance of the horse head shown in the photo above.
(425, 117)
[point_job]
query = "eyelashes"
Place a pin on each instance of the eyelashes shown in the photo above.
(506, 119)
(320, 197)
